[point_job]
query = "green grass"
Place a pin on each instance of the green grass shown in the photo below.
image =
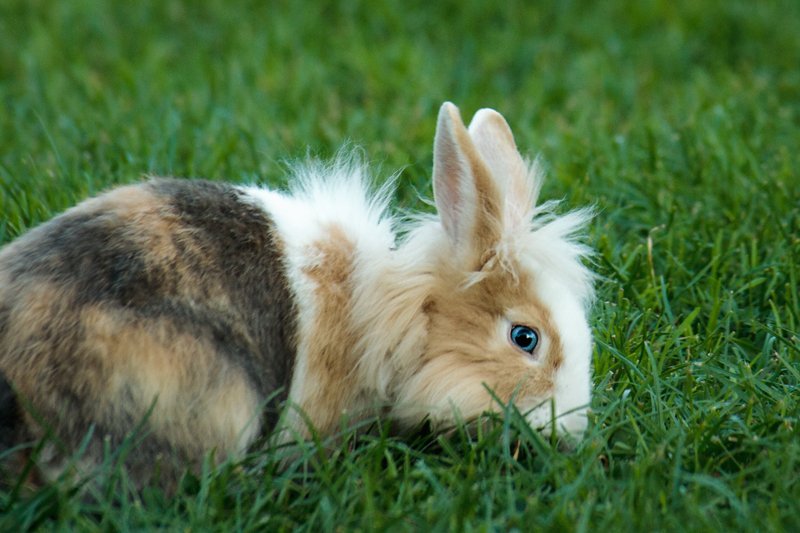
(679, 120)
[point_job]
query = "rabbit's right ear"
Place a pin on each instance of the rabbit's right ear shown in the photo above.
(466, 195)
(495, 142)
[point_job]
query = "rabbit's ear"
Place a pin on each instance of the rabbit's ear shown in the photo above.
(495, 143)
(468, 200)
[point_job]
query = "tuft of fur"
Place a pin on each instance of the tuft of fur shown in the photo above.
(200, 310)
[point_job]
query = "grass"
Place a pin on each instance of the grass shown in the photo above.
(679, 120)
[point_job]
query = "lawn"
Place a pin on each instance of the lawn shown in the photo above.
(679, 121)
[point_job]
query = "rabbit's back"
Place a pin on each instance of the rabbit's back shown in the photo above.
(172, 290)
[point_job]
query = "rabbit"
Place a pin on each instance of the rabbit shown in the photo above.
(209, 315)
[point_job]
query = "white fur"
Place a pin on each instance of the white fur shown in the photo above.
(573, 379)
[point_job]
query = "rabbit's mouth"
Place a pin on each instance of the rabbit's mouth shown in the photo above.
(547, 418)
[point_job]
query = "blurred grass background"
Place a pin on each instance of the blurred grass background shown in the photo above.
(679, 120)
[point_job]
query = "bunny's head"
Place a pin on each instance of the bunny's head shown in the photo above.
(506, 307)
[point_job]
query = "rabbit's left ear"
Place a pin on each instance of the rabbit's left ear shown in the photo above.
(467, 197)
(495, 143)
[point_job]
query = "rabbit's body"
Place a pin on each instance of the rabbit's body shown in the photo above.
(171, 291)
(198, 309)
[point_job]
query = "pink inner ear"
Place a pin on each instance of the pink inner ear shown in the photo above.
(449, 173)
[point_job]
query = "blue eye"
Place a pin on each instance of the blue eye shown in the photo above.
(525, 338)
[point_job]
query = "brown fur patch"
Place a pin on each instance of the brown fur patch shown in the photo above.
(330, 382)
(126, 366)
(41, 315)
(128, 201)
(199, 397)
(466, 353)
